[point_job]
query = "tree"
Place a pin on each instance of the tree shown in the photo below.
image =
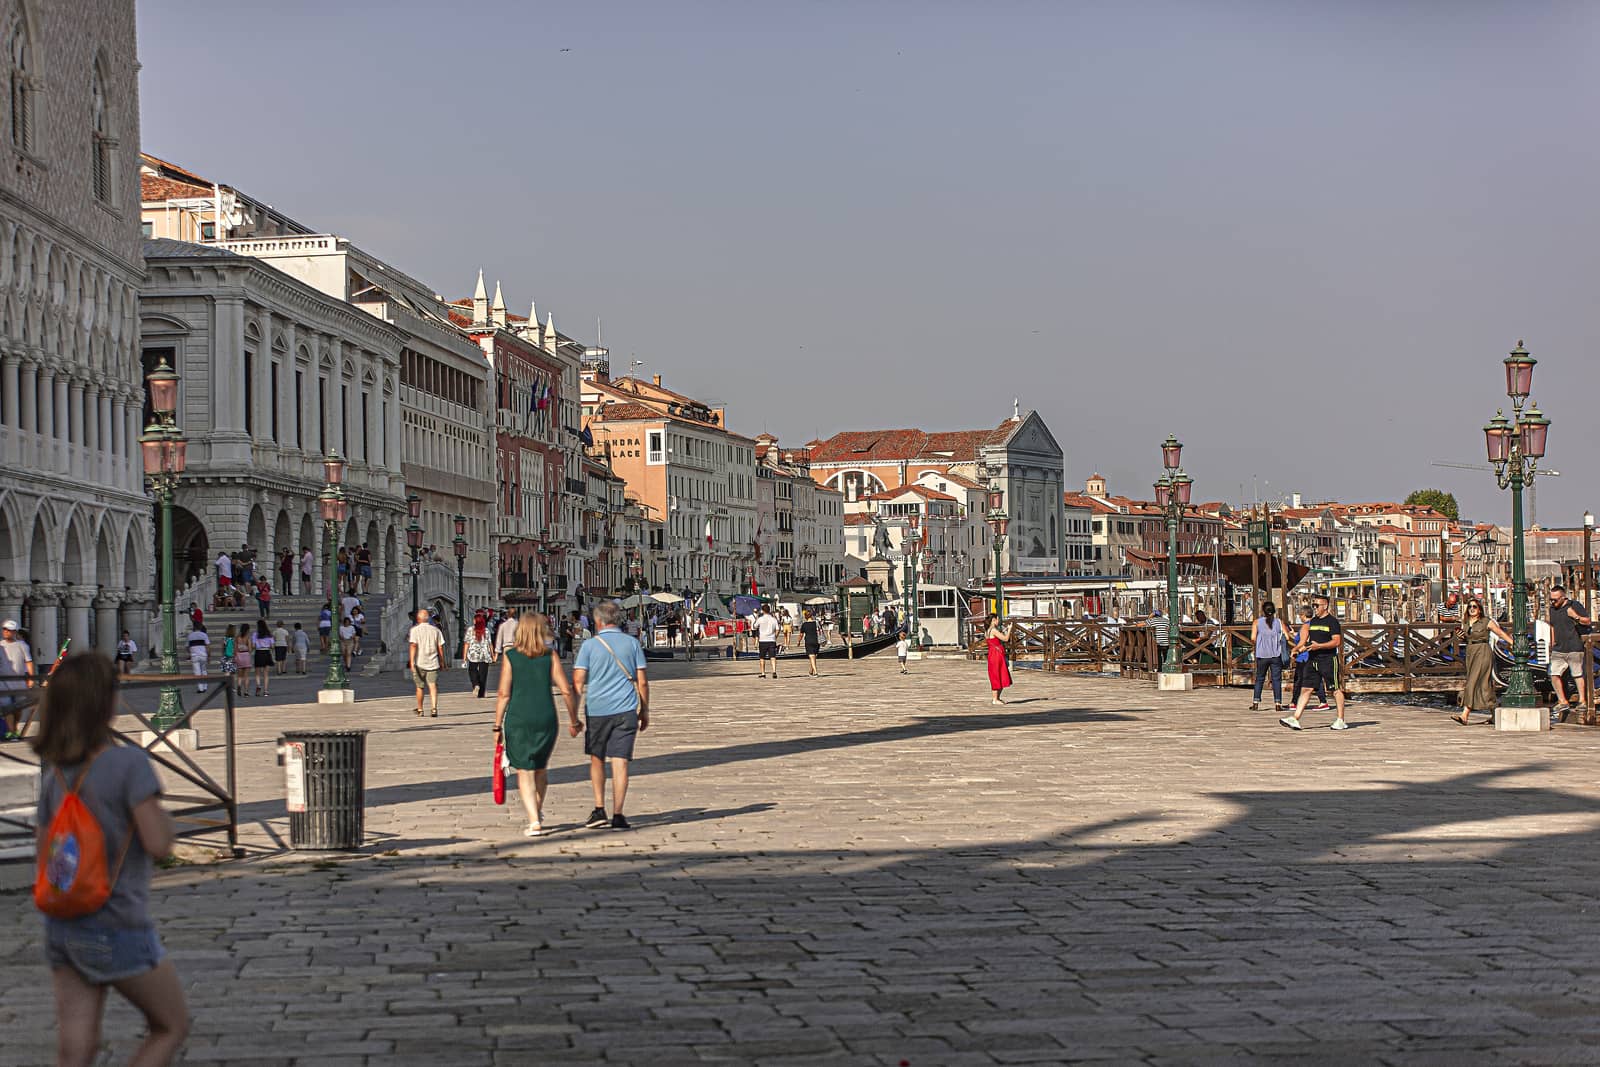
(1438, 500)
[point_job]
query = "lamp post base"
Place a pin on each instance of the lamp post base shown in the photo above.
(186, 738)
(1175, 682)
(336, 696)
(1521, 720)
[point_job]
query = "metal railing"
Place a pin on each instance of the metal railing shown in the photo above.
(197, 801)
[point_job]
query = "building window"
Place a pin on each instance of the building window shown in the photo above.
(654, 447)
(208, 231)
(274, 376)
(147, 229)
(19, 46)
(299, 409)
(103, 144)
(249, 395)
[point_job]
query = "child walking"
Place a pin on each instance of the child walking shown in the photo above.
(115, 946)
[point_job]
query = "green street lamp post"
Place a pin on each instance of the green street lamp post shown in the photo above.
(913, 561)
(165, 453)
(334, 509)
(1515, 447)
(636, 570)
(998, 522)
(414, 535)
(460, 544)
(1172, 496)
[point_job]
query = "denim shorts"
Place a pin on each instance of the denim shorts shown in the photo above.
(102, 954)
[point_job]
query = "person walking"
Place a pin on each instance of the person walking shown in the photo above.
(505, 635)
(264, 598)
(347, 640)
(308, 563)
(364, 568)
(810, 639)
(199, 654)
(1161, 631)
(525, 712)
(1478, 692)
(609, 677)
(261, 658)
(116, 946)
(1569, 622)
(1270, 640)
(341, 566)
(425, 658)
(302, 647)
(580, 634)
(358, 623)
(243, 657)
(1299, 674)
(998, 637)
(324, 626)
(126, 651)
(280, 647)
(230, 667)
(1323, 637)
(477, 652)
(224, 576)
(766, 628)
(902, 650)
(16, 677)
(286, 572)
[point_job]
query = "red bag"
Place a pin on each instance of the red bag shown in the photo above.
(72, 878)
(499, 772)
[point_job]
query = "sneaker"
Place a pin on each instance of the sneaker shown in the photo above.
(1560, 711)
(597, 819)
(1324, 706)
(1255, 707)
(1290, 721)
(620, 822)
(1339, 724)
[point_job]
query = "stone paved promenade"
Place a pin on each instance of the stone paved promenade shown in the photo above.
(870, 868)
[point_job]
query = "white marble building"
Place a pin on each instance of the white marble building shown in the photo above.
(75, 525)
(274, 374)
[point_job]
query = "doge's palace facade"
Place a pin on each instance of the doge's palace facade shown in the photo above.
(75, 523)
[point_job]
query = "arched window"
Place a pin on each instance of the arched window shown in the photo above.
(19, 49)
(104, 143)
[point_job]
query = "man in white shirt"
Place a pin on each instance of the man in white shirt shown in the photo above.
(348, 605)
(425, 658)
(307, 564)
(767, 639)
(505, 635)
(16, 660)
(224, 575)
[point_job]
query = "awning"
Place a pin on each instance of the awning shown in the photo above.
(1236, 567)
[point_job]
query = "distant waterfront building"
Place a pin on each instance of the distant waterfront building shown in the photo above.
(75, 527)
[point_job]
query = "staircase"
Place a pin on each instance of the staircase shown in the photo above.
(291, 609)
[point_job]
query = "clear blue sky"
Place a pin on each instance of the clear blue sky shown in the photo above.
(1300, 235)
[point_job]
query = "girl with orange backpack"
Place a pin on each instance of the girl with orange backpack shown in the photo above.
(101, 826)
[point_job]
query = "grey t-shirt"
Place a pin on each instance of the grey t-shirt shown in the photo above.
(118, 781)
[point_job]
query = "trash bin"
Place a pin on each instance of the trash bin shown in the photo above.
(325, 785)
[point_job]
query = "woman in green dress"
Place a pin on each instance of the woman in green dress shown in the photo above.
(1479, 690)
(525, 713)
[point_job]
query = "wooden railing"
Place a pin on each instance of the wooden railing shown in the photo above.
(1388, 658)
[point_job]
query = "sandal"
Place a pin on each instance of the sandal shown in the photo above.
(1460, 721)
(534, 830)
(435, 713)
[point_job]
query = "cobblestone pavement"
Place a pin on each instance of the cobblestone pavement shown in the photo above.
(875, 868)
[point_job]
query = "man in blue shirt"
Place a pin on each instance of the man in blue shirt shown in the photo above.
(609, 677)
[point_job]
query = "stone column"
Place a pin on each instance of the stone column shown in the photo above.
(107, 623)
(143, 621)
(10, 378)
(28, 395)
(45, 622)
(46, 418)
(11, 594)
(107, 444)
(78, 598)
(63, 426)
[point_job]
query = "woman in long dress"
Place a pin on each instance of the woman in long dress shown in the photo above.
(525, 712)
(1479, 690)
(999, 673)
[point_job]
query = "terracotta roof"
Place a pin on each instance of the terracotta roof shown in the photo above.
(1079, 500)
(172, 168)
(881, 446)
(962, 445)
(152, 187)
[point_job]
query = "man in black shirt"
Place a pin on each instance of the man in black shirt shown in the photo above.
(1569, 622)
(1323, 637)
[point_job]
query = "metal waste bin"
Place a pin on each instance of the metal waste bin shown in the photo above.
(325, 785)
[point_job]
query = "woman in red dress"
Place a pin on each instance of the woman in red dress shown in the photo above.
(999, 674)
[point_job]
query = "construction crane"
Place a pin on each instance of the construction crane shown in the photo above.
(1533, 484)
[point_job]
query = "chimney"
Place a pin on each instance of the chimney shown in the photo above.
(480, 303)
(657, 378)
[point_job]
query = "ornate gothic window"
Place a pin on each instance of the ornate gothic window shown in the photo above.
(104, 143)
(19, 48)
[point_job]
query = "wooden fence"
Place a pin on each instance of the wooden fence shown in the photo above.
(1389, 658)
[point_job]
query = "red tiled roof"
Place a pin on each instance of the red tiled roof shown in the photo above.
(962, 445)
(1080, 500)
(172, 168)
(882, 446)
(152, 187)
(625, 412)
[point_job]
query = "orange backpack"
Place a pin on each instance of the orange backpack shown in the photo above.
(72, 880)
